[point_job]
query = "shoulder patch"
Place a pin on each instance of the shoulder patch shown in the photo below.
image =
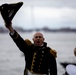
(53, 52)
(28, 41)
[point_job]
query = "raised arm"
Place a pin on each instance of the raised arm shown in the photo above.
(21, 44)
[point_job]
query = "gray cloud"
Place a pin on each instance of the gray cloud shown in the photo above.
(52, 3)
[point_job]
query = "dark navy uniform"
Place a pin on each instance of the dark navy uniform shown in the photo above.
(39, 60)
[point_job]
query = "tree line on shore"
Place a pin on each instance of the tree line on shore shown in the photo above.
(45, 29)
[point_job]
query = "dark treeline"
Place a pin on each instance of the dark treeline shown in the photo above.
(45, 29)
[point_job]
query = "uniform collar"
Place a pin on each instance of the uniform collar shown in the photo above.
(43, 45)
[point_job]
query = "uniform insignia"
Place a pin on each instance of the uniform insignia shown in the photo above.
(28, 41)
(53, 52)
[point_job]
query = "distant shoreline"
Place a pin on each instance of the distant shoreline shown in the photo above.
(45, 29)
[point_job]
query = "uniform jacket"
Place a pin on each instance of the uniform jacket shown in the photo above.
(38, 59)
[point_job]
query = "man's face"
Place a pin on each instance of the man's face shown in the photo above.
(75, 51)
(38, 39)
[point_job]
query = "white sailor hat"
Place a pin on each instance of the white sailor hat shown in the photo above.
(71, 69)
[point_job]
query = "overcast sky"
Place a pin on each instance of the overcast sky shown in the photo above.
(44, 13)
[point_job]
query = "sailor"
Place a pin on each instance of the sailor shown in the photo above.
(40, 59)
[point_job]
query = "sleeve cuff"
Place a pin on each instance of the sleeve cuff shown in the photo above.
(14, 35)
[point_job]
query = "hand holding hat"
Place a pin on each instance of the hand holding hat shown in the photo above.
(8, 11)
